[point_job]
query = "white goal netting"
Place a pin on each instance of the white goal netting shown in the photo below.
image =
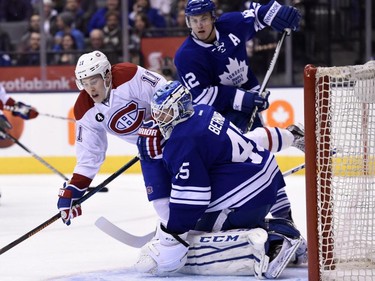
(345, 143)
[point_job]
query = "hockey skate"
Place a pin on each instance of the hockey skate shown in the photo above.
(298, 132)
(300, 257)
(280, 255)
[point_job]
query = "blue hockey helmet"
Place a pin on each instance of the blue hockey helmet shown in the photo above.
(171, 104)
(198, 7)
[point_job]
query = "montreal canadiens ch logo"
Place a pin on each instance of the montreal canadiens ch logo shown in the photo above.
(127, 120)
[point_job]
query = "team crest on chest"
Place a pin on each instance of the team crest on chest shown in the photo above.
(127, 119)
(236, 75)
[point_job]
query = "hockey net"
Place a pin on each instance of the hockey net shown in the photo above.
(340, 171)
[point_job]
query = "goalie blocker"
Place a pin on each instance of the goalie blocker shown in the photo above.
(244, 252)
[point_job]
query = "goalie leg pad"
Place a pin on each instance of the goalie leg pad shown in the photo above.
(232, 252)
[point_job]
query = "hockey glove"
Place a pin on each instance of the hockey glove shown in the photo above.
(279, 17)
(247, 101)
(4, 125)
(24, 111)
(165, 253)
(150, 141)
(65, 204)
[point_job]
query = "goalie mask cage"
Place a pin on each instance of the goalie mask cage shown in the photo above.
(339, 104)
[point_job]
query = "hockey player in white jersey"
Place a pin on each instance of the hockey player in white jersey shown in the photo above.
(113, 100)
(213, 64)
(223, 184)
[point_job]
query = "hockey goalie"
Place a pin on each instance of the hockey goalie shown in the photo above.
(223, 187)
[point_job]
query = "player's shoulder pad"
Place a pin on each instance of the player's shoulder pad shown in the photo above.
(83, 103)
(123, 72)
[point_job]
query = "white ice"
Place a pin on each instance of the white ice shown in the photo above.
(81, 251)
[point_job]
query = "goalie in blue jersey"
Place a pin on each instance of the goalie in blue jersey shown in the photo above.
(222, 182)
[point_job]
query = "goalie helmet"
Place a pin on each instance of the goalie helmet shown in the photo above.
(171, 104)
(91, 64)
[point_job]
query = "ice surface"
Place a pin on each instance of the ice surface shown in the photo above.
(81, 252)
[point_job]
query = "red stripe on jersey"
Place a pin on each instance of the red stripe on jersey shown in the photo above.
(270, 144)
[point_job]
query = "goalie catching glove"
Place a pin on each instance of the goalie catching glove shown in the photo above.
(24, 111)
(165, 253)
(150, 141)
(279, 17)
(67, 196)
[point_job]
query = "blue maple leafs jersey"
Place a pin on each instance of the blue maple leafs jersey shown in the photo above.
(213, 72)
(215, 167)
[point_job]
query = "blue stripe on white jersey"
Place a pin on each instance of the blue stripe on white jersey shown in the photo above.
(248, 189)
(193, 195)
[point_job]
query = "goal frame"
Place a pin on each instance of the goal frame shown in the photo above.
(310, 175)
(335, 161)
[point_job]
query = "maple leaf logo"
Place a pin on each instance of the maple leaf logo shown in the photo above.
(236, 75)
(280, 115)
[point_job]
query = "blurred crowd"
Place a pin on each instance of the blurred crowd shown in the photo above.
(72, 27)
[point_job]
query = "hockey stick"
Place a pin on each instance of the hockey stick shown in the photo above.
(119, 234)
(11, 108)
(139, 241)
(268, 75)
(80, 201)
(58, 117)
(41, 160)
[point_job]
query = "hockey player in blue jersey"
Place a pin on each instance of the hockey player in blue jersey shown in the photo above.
(213, 63)
(221, 180)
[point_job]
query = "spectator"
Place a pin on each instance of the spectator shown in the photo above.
(50, 15)
(97, 43)
(180, 24)
(68, 54)
(98, 19)
(34, 26)
(73, 6)
(5, 42)
(89, 7)
(65, 22)
(163, 6)
(15, 10)
(112, 31)
(141, 27)
(31, 55)
(154, 16)
(5, 47)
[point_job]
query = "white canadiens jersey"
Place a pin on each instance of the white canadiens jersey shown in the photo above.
(121, 115)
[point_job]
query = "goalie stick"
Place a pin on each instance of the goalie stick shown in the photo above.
(78, 202)
(286, 32)
(139, 241)
(41, 160)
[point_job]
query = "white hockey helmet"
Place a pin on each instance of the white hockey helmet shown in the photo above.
(91, 64)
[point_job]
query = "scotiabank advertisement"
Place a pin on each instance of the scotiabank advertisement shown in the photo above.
(30, 79)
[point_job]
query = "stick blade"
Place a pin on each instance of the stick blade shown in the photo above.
(121, 235)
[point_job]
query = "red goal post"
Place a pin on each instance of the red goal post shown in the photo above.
(339, 105)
